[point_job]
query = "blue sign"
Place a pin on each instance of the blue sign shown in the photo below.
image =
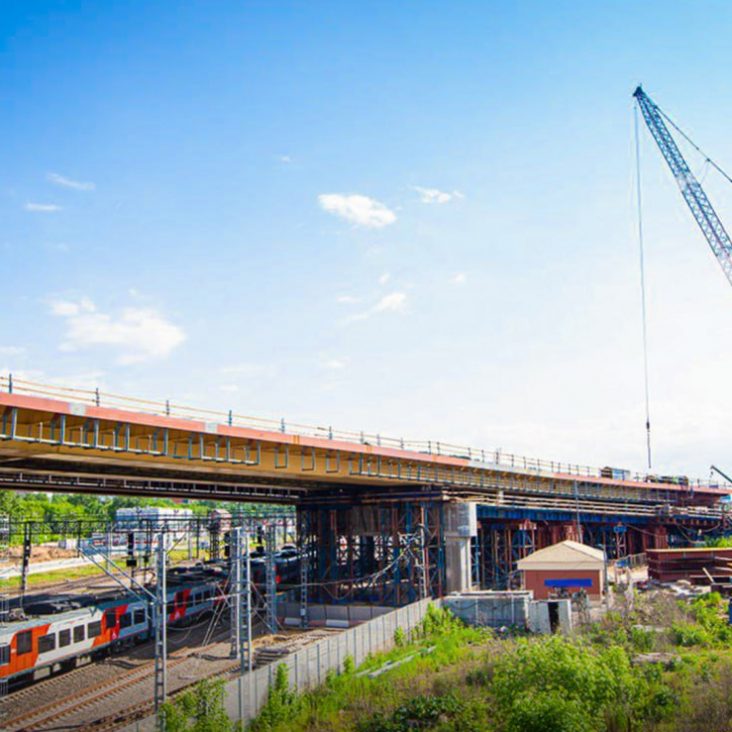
(578, 582)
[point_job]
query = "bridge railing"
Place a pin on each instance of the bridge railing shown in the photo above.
(492, 458)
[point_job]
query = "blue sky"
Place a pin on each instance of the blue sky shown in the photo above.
(415, 218)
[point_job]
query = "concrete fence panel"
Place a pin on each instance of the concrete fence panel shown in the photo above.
(308, 667)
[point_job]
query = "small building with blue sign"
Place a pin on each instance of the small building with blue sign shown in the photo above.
(566, 567)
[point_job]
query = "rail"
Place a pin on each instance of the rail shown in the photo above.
(494, 458)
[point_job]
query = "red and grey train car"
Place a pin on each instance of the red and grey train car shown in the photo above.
(44, 643)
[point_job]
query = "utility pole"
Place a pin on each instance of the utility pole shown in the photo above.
(245, 653)
(271, 578)
(189, 537)
(4, 602)
(160, 619)
(240, 590)
(303, 579)
(235, 587)
(241, 599)
(108, 541)
(25, 559)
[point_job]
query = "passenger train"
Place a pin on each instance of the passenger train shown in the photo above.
(65, 632)
(60, 633)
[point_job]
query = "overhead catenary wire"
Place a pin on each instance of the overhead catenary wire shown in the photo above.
(644, 319)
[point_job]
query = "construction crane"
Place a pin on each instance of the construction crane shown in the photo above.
(701, 208)
(722, 473)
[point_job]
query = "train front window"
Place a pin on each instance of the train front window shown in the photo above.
(24, 642)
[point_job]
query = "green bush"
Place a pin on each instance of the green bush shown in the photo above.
(400, 637)
(282, 703)
(710, 612)
(437, 621)
(199, 710)
(567, 685)
(689, 634)
(547, 711)
(422, 712)
(642, 640)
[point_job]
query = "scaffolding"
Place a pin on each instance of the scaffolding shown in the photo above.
(385, 553)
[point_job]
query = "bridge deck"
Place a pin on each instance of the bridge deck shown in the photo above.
(80, 443)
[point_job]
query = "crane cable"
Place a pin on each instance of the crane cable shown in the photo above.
(696, 147)
(643, 283)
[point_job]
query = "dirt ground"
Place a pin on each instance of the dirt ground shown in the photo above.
(38, 554)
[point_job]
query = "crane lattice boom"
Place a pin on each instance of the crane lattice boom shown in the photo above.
(703, 211)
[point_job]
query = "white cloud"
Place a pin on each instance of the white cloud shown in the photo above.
(284, 158)
(458, 279)
(139, 334)
(347, 299)
(384, 278)
(42, 207)
(61, 180)
(359, 210)
(67, 307)
(11, 350)
(335, 364)
(434, 195)
(394, 302)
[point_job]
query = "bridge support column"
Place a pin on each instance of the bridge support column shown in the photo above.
(458, 564)
(386, 553)
(461, 528)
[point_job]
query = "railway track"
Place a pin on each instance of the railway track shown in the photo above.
(49, 714)
(125, 689)
(57, 709)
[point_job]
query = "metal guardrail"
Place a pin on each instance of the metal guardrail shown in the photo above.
(494, 458)
(632, 561)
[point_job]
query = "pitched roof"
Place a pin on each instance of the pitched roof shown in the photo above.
(567, 555)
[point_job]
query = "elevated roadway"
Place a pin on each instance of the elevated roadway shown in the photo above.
(74, 440)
